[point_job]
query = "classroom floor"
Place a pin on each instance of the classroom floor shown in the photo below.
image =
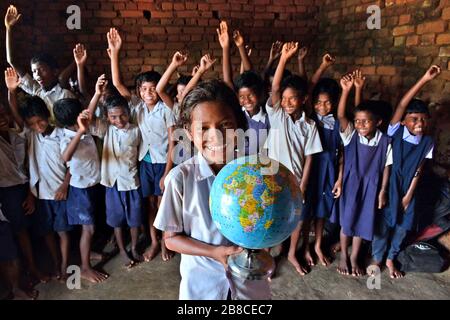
(160, 280)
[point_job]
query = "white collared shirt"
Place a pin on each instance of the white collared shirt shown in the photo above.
(290, 142)
(348, 133)
(85, 164)
(12, 160)
(327, 121)
(32, 87)
(259, 117)
(185, 209)
(47, 166)
(120, 155)
(154, 126)
(408, 137)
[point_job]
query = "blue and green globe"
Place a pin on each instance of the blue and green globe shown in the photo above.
(255, 202)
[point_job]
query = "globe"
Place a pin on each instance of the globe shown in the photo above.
(255, 202)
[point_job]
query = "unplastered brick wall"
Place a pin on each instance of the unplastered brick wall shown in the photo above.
(153, 30)
(413, 35)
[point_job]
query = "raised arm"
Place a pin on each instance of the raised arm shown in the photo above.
(80, 57)
(327, 61)
(288, 50)
(99, 89)
(224, 40)
(83, 123)
(64, 75)
(359, 85)
(11, 18)
(114, 45)
(178, 60)
(346, 84)
(431, 73)
(302, 52)
(274, 54)
(248, 50)
(239, 41)
(12, 83)
(206, 63)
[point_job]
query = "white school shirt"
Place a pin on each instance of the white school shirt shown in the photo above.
(85, 164)
(154, 126)
(348, 133)
(32, 87)
(290, 142)
(327, 121)
(185, 209)
(119, 155)
(12, 160)
(47, 166)
(408, 137)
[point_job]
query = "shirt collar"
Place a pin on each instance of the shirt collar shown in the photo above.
(202, 168)
(407, 136)
(257, 117)
(127, 127)
(374, 141)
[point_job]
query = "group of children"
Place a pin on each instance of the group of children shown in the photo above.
(349, 172)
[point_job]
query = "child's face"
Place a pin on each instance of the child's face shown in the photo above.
(147, 91)
(209, 122)
(291, 101)
(4, 119)
(416, 123)
(366, 124)
(37, 124)
(323, 104)
(249, 100)
(180, 90)
(43, 74)
(118, 117)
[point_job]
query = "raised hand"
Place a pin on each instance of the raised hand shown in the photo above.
(83, 121)
(11, 17)
(179, 58)
(206, 62)
(275, 50)
(11, 79)
(222, 32)
(288, 50)
(347, 82)
(359, 78)
(432, 73)
(328, 60)
(80, 54)
(114, 40)
(302, 52)
(101, 84)
(195, 69)
(238, 38)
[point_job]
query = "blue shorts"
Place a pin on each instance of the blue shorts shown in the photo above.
(150, 174)
(53, 215)
(123, 207)
(8, 248)
(80, 205)
(12, 199)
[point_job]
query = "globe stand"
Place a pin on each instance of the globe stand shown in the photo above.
(251, 264)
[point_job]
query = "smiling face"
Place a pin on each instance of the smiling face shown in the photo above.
(366, 124)
(292, 102)
(323, 105)
(210, 121)
(37, 124)
(118, 117)
(249, 100)
(147, 92)
(416, 123)
(43, 74)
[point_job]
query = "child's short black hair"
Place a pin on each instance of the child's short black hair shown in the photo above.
(297, 83)
(328, 86)
(251, 80)
(149, 76)
(116, 101)
(212, 90)
(33, 106)
(183, 80)
(66, 111)
(417, 106)
(370, 106)
(45, 58)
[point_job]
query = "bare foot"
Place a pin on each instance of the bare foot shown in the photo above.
(357, 271)
(308, 258)
(151, 252)
(372, 268)
(126, 261)
(343, 265)
(394, 273)
(137, 256)
(293, 260)
(93, 275)
(25, 294)
(335, 248)
(38, 277)
(166, 254)
(322, 258)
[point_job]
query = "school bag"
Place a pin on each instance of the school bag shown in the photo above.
(421, 256)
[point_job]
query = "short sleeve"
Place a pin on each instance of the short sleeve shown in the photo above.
(389, 158)
(313, 143)
(430, 153)
(392, 129)
(170, 212)
(271, 109)
(29, 85)
(347, 134)
(169, 116)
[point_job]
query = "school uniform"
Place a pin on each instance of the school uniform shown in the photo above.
(32, 87)
(320, 200)
(364, 162)
(47, 174)
(260, 125)
(119, 173)
(14, 180)
(185, 209)
(85, 170)
(409, 152)
(153, 150)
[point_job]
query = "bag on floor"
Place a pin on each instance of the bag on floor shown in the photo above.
(421, 257)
